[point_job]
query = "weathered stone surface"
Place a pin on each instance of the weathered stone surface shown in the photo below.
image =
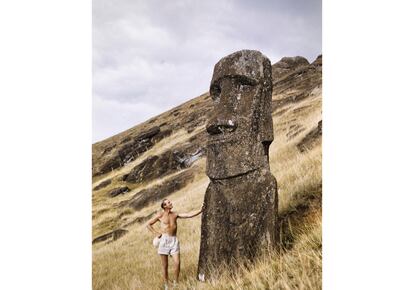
(158, 192)
(103, 184)
(112, 236)
(117, 191)
(241, 127)
(239, 217)
(240, 214)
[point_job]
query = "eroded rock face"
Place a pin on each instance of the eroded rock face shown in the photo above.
(131, 148)
(168, 162)
(239, 217)
(158, 192)
(117, 191)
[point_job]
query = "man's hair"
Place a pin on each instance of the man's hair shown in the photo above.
(162, 203)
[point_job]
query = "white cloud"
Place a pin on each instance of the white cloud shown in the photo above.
(158, 54)
(111, 117)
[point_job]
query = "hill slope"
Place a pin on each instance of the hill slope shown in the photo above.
(164, 157)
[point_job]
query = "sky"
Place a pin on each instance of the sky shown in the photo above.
(150, 56)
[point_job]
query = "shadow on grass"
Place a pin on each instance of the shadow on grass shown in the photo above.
(300, 212)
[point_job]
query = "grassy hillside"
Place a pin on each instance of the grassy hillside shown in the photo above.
(164, 157)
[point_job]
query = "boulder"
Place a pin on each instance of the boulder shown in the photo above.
(117, 191)
(103, 184)
(149, 133)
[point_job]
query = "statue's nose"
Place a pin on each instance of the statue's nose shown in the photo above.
(221, 125)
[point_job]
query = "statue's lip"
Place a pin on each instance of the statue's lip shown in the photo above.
(221, 139)
(234, 175)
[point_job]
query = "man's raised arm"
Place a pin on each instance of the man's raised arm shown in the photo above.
(190, 214)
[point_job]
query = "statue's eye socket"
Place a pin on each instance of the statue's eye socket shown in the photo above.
(245, 83)
(244, 86)
(215, 92)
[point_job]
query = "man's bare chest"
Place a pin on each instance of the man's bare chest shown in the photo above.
(169, 220)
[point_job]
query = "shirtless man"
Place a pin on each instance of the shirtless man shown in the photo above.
(169, 244)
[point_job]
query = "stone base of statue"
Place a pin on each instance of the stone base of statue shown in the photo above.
(239, 220)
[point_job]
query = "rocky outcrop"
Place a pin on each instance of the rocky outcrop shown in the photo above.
(287, 64)
(130, 148)
(194, 120)
(296, 84)
(103, 184)
(318, 62)
(117, 191)
(168, 162)
(158, 192)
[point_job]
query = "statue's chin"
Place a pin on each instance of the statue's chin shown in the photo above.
(233, 157)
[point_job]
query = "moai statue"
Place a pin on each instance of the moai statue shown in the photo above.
(240, 204)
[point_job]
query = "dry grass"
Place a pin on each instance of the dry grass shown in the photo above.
(298, 268)
(132, 263)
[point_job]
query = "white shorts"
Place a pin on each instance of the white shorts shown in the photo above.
(169, 245)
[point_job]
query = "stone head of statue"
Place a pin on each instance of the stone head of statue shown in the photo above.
(240, 128)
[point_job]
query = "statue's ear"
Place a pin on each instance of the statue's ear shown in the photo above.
(265, 103)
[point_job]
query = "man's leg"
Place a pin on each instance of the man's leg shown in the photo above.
(176, 259)
(164, 261)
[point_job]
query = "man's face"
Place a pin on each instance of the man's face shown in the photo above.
(168, 204)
